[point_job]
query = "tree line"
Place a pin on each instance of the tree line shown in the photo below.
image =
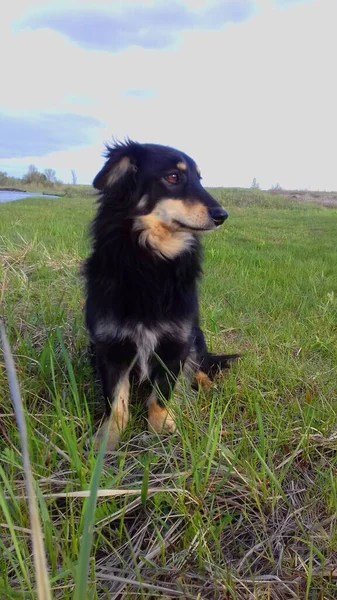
(256, 186)
(33, 176)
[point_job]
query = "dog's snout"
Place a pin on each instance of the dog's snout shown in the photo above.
(218, 215)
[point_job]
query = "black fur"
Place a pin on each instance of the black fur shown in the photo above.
(129, 284)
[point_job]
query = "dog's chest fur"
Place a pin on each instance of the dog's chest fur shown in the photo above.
(146, 340)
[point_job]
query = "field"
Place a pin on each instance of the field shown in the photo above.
(241, 504)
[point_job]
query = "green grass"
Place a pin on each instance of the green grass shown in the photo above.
(243, 503)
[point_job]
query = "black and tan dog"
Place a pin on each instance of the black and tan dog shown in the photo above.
(141, 278)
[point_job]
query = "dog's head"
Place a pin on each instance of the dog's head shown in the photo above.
(161, 190)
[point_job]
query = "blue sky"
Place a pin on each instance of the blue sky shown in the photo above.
(247, 87)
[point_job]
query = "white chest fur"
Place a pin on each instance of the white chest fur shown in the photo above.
(146, 340)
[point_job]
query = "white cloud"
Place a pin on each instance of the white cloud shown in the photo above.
(256, 99)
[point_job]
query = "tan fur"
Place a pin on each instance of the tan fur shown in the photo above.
(163, 234)
(203, 380)
(181, 166)
(163, 240)
(119, 419)
(119, 170)
(193, 213)
(159, 418)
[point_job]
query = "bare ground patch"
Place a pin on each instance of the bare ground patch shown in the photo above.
(328, 199)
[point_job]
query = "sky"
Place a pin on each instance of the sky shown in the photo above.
(246, 87)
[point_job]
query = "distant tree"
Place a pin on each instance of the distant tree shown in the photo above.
(73, 177)
(32, 169)
(276, 187)
(34, 176)
(50, 175)
(255, 185)
(3, 178)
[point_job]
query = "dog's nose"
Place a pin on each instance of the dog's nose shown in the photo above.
(218, 215)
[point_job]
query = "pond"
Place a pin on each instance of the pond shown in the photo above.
(8, 196)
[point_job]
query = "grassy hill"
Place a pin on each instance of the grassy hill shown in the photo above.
(243, 503)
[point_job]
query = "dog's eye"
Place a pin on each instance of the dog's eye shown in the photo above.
(172, 178)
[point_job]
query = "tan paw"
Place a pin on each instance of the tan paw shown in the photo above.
(203, 380)
(160, 420)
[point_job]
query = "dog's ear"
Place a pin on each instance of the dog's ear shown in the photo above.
(122, 162)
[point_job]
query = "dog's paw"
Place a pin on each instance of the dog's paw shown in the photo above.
(203, 381)
(160, 420)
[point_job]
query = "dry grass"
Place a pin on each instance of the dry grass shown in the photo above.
(327, 199)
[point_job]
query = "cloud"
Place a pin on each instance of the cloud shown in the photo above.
(139, 93)
(23, 136)
(153, 26)
(230, 11)
(288, 3)
(78, 100)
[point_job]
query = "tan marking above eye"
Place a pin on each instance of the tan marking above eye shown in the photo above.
(182, 166)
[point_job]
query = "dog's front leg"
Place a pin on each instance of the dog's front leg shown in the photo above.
(114, 362)
(164, 379)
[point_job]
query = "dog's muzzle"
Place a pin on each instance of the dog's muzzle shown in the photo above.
(218, 215)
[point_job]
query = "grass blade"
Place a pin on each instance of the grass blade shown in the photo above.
(42, 580)
(89, 508)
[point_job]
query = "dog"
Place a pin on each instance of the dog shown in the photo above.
(141, 278)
